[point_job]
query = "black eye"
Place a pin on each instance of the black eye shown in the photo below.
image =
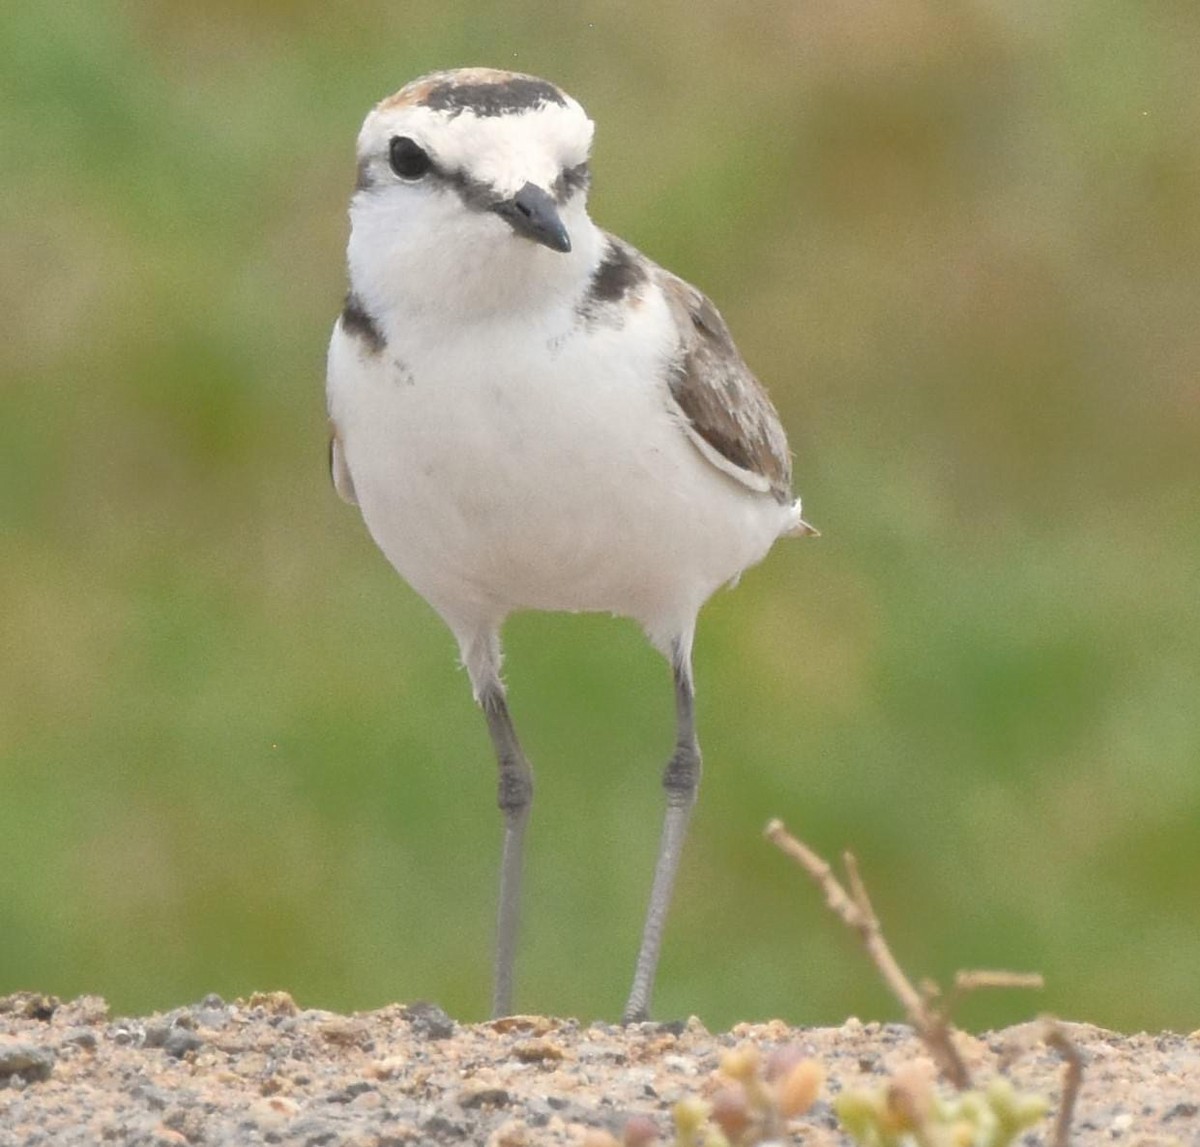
(408, 159)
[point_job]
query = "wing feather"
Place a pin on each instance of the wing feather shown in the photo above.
(338, 470)
(729, 416)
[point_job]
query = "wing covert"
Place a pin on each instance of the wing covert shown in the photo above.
(728, 414)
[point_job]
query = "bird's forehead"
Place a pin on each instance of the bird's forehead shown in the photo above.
(500, 127)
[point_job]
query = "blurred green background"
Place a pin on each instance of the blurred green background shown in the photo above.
(959, 241)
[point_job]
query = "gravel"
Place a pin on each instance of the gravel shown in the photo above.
(265, 1071)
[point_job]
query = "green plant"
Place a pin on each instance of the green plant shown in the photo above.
(908, 1111)
(753, 1104)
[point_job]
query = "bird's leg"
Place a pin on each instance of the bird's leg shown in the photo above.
(515, 798)
(481, 655)
(681, 779)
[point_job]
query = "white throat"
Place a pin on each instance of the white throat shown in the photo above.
(461, 265)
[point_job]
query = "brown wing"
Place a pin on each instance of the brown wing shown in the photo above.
(729, 416)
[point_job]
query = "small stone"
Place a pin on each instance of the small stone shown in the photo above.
(188, 1121)
(312, 1132)
(25, 1060)
(360, 1138)
(534, 1025)
(429, 1020)
(484, 1097)
(180, 1041)
(680, 1063)
(181, 1018)
(597, 1137)
(81, 1037)
(672, 1027)
(439, 1125)
(390, 1067)
(397, 1135)
(511, 1133)
(345, 1032)
(272, 1114)
(154, 1097)
(537, 1051)
(214, 1018)
(350, 1092)
(367, 1101)
(168, 1137)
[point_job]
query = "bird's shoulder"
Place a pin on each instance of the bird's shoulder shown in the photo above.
(725, 409)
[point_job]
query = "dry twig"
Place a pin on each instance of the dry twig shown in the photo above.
(967, 982)
(1055, 1036)
(932, 1023)
(857, 914)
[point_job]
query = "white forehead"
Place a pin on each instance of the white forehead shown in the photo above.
(506, 150)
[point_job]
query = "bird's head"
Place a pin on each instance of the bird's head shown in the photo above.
(471, 191)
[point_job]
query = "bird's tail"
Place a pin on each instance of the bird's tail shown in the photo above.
(797, 527)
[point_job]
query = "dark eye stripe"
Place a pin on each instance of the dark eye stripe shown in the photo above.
(571, 180)
(474, 193)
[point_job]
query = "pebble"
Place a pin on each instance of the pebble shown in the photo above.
(26, 1061)
(155, 1034)
(180, 1041)
(429, 1020)
(350, 1092)
(511, 1133)
(481, 1096)
(685, 1065)
(81, 1037)
(1121, 1123)
(344, 1032)
(412, 1077)
(537, 1051)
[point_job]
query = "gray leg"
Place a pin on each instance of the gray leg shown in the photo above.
(681, 779)
(515, 798)
(482, 658)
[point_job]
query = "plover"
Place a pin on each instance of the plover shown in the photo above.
(530, 414)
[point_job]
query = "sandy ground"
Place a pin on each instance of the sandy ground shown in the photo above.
(265, 1071)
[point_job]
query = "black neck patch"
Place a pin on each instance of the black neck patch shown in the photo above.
(357, 322)
(516, 94)
(617, 276)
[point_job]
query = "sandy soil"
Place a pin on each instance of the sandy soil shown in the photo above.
(265, 1071)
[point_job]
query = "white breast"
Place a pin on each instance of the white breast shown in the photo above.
(541, 465)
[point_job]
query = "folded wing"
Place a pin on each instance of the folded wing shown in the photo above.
(727, 413)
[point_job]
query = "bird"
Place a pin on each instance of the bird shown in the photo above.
(530, 414)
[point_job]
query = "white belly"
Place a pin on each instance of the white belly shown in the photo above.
(510, 471)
